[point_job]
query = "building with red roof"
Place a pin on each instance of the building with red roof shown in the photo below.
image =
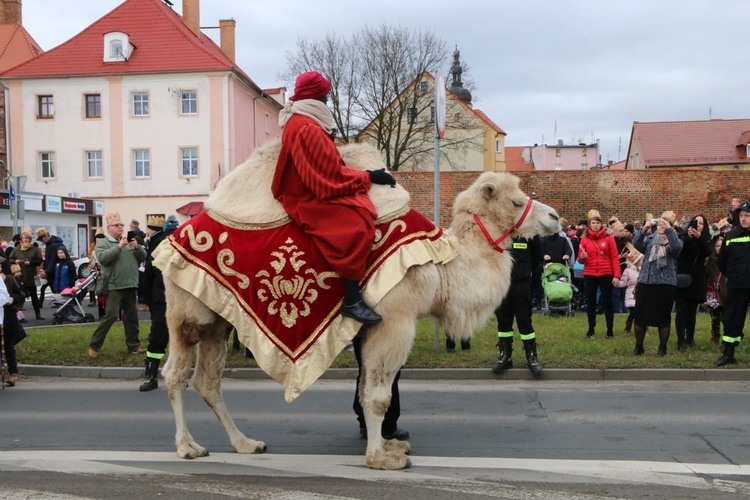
(703, 144)
(140, 110)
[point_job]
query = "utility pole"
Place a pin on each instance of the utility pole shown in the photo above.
(17, 209)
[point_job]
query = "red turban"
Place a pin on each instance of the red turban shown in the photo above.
(310, 85)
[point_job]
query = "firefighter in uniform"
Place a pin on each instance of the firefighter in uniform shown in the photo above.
(527, 254)
(734, 263)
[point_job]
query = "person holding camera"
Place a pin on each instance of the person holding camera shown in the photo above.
(696, 247)
(119, 260)
(657, 281)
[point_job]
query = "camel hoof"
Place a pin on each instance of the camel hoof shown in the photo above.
(396, 446)
(249, 446)
(382, 460)
(191, 451)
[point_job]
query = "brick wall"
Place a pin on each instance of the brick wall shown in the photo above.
(629, 194)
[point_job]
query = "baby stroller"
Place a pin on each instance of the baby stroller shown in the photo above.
(68, 299)
(558, 289)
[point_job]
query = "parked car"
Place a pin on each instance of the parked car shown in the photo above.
(82, 267)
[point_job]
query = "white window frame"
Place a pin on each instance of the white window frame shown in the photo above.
(96, 163)
(189, 159)
(189, 98)
(584, 166)
(558, 166)
(498, 146)
(139, 102)
(142, 162)
(47, 162)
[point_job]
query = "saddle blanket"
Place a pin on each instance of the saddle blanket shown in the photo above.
(275, 288)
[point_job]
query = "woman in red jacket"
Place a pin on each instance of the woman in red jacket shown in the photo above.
(601, 270)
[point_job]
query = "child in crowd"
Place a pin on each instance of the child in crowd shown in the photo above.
(65, 271)
(717, 289)
(628, 281)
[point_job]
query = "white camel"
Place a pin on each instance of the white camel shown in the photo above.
(461, 294)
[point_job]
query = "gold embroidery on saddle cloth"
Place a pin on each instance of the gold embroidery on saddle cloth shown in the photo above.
(224, 259)
(200, 242)
(248, 226)
(381, 238)
(290, 298)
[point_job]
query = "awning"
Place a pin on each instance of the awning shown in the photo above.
(191, 209)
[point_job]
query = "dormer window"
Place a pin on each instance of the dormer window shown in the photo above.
(117, 47)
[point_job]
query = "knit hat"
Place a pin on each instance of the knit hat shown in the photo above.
(593, 215)
(113, 218)
(669, 216)
(630, 228)
(155, 222)
(310, 85)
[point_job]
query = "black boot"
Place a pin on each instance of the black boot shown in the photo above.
(503, 360)
(628, 326)
(532, 360)
(681, 343)
(235, 342)
(728, 357)
(690, 339)
(152, 375)
(354, 306)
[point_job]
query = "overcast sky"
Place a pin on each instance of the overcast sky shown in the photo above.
(591, 66)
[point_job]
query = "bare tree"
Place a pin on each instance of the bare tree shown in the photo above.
(377, 93)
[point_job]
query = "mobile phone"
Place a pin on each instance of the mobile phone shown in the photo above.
(654, 221)
(693, 224)
(131, 235)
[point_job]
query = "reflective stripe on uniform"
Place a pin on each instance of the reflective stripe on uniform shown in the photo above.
(155, 355)
(731, 340)
(521, 246)
(743, 239)
(505, 335)
(530, 336)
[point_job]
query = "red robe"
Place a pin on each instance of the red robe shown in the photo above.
(327, 199)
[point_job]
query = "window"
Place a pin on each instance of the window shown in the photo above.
(268, 123)
(584, 166)
(498, 146)
(189, 162)
(115, 49)
(189, 100)
(411, 115)
(142, 163)
(93, 106)
(423, 86)
(558, 152)
(558, 166)
(140, 104)
(748, 150)
(46, 106)
(47, 165)
(584, 152)
(432, 114)
(94, 164)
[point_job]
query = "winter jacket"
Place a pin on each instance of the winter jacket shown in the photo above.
(734, 258)
(556, 246)
(527, 254)
(65, 275)
(628, 281)
(692, 261)
(153, 284)
(651, 273)
(119, 265)
(602, 257)
(28, 271)
(50, 255)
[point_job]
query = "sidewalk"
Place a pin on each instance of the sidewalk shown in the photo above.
(520, 373)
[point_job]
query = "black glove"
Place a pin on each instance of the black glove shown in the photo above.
(380, 176)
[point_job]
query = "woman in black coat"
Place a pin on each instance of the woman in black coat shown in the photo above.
(691, 261)
(11, 326)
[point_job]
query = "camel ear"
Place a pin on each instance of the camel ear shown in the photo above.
(489, 190)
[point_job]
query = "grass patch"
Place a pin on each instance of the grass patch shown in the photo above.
(560, 342)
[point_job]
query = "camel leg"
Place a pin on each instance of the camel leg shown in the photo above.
(175, 373)
(209, 366)
(384, 351)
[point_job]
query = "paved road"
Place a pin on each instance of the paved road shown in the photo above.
(80, 438)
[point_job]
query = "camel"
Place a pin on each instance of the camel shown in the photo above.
(462, 293)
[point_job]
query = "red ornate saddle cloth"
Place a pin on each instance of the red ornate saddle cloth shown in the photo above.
(276, 289)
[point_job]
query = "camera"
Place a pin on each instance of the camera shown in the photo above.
(654, 221)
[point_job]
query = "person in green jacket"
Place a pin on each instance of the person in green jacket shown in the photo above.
(119, 260)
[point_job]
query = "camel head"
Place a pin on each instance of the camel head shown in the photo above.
(497, 200)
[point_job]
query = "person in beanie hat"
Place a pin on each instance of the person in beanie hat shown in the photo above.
(324, 196)
(119, 260)
(601, 260)
(155, 298)
(170, 225)
(733, 263)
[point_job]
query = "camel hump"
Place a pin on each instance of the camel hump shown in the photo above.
(244, 195)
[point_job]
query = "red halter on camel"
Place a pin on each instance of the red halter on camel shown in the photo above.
(496, 243)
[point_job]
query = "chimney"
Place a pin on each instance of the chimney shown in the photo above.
(191, 15)
(226, 36)
(10, 12)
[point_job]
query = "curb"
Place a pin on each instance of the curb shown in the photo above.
(579, 374)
